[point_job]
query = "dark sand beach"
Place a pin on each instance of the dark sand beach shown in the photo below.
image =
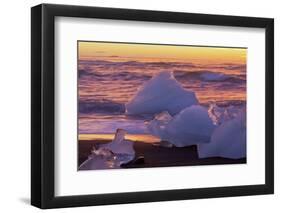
(156, 156)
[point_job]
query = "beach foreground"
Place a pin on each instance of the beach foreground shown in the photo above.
(157, 156)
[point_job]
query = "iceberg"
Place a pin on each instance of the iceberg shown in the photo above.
(161, 93)
(228, 140)
(111, 155)
(189, 127)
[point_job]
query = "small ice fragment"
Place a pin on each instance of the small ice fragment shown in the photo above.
(99, 160)
(158, 125)
(228, 140)
(110, 155)
(161, 93)
(119, 145)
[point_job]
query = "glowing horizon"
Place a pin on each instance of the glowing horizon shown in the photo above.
(201, 54)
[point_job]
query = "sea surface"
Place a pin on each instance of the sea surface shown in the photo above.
(105, 85)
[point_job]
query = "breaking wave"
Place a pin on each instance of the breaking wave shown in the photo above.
(103, 106)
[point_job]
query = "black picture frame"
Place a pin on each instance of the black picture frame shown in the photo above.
(43, 102)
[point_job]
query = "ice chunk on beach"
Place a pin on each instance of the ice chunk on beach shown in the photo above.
(119, 145)
(110, 155)
(105, 160)
(99, 161)
(158, 126)
(161, 93)
(228, 140)
(189, 127)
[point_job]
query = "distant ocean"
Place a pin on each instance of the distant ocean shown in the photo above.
(106, 85)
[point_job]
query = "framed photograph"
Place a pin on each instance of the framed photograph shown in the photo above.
(139, 106)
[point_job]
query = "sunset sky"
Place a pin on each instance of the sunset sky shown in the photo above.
(117, 51)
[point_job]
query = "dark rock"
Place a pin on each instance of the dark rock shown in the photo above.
(137, 161)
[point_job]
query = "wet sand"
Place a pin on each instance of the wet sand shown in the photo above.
(156, 156)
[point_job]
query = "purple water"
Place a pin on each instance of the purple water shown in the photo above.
(106, 85)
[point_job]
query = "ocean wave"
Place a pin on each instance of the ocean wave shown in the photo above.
(101, 106)
(83, 72)
(108, 64)
(113, 76)
(205, 75)
(227, 66)
(136, 64)
(213, 76)
(226, 103)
